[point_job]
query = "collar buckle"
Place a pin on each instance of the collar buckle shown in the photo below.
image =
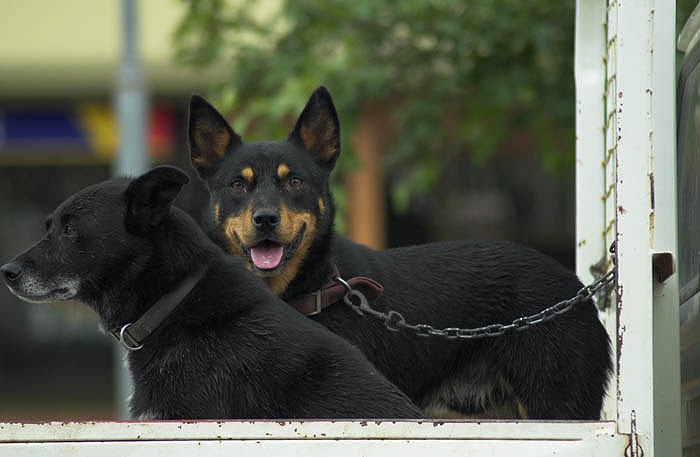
(318, 302)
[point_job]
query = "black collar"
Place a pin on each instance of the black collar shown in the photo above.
(131, 335)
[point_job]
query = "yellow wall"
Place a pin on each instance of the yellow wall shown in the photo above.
(69, 47)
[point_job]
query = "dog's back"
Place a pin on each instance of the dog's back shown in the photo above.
(470, 284)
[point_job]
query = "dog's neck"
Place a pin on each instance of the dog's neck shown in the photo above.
(315, 270)
(185, 251)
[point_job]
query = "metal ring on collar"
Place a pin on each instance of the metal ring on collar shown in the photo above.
(344, 283)
(123, 342)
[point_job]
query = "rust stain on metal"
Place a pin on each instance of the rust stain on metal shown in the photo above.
(652, 202)
(620, 331)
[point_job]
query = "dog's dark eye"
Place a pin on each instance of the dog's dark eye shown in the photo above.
(238, 184)
(295, 182)
(69, 230)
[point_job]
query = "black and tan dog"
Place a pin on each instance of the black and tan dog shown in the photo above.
(216, 343)
(270, 204)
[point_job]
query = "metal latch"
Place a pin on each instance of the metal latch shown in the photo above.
(662, 265)
(634, 449)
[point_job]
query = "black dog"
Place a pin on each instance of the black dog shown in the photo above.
(229, 349)
(271, 205)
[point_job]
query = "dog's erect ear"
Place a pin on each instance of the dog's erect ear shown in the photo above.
(209, 137)
(150, 196)
(318, 129)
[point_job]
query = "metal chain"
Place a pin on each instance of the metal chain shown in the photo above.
(395, 321)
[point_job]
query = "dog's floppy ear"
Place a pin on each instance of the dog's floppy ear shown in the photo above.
(318, 129)
(209, 137)
(150, 196)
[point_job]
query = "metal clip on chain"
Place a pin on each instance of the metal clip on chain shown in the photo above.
(395, 321)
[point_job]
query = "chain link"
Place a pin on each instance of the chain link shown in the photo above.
(395, 321)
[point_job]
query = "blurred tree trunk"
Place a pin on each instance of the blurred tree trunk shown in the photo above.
(366, 209)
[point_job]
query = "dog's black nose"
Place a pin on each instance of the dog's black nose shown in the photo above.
(12, 271)
(266, 218)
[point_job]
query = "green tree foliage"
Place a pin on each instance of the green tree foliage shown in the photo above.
(457, 76)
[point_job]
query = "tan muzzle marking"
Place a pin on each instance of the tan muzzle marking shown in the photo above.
(240, 226)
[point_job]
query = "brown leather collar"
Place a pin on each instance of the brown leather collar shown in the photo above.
(332, 292)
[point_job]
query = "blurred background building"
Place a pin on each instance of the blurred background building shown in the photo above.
(59, 65)
(457, 122)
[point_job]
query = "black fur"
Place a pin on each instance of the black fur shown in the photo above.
(556, 370)
(231, 349)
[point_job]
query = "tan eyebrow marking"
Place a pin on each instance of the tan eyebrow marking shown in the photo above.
(247, 174)
(282, 171)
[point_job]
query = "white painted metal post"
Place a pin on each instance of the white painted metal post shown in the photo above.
(626, 191)
(666, 328)
(589, 72)
(647, 354)
(634, 238)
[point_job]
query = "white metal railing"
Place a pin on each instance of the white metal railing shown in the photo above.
(637, 206)
(647, 334)
(219, 438)
(635, 141)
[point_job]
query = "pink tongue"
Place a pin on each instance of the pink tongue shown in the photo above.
(266, 256)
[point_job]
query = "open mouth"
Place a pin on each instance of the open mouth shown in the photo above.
(268, 257)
